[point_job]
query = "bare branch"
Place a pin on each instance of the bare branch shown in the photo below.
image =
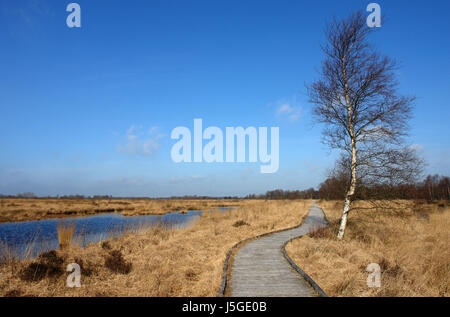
(356, 99)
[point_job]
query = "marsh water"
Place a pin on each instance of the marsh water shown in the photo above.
(29, 238)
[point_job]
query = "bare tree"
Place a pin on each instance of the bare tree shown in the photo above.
(356, 98)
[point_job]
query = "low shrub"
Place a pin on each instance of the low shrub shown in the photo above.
(48, 264)
(116, 263)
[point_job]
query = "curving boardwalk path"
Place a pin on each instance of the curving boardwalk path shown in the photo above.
(260, 269)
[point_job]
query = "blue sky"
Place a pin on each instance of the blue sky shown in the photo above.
(89, 110)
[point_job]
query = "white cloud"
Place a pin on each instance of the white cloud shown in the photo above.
(150, 146)
(138, 143)
(152, 130)
(131, 181)
(197, 177)
(186, 179)
(130, 133)
(284, 109)
(131, 129)
(289, 111)
(416, 147)
(294, 116)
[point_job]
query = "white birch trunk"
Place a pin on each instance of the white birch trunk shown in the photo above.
(348, 198)
(343, 223)
(351, 190)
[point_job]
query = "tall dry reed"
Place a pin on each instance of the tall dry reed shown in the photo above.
(65, 234)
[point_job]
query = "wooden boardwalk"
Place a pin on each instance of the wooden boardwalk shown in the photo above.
(260, 269)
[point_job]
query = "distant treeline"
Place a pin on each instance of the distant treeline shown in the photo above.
(434, 187)
(310, 193)
(190, 197)
(32, 195)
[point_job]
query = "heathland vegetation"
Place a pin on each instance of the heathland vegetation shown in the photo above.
(27, 206)
(156, 262)
(409, 241)
(410, 244)
(23, 209)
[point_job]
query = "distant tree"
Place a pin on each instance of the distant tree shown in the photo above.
(436, 187)
(444, 186)
(26, 195)
(356, 98)
(334, 187)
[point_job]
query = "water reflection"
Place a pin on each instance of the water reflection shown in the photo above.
(29, 238)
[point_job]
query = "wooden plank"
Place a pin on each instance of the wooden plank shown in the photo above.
(260, 269)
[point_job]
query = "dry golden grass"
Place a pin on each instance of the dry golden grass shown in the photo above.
(65, 234)
(160, 262)
(18, 209)
(411, 245)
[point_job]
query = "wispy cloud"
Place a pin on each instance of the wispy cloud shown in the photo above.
(152, 130)
(25, 19)
(186, 179)
(131, 181)
(417, 147)
(139, 143)
(288, 109)
(131, 133)
(197, 177)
